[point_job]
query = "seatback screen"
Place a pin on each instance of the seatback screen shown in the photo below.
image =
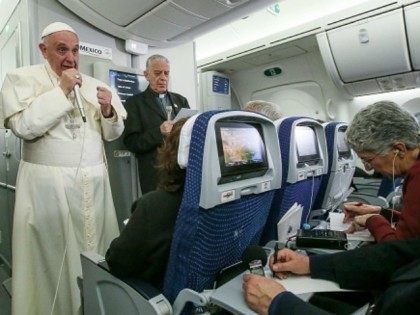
(306, 145)
(343, 148)
(241, 150)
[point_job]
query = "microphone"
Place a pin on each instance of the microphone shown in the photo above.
(254, 252)
(250, 254)
(254, 259)
(79, 102)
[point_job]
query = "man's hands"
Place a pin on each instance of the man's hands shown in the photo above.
(289, 261)
(259, 292)
(166, 127)
(69, 78)
(359, 222)
(353, 209)
(357, 214)
(104, 99)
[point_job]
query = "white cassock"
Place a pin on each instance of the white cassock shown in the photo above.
(63, 197)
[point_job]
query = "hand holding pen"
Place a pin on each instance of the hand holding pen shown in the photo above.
(285, 261)
(352, 209)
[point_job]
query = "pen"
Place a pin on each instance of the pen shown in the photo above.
(276, 250)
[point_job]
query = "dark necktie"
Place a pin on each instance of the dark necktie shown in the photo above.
(164, 102)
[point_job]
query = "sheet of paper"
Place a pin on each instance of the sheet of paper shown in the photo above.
(336, 224)
(231, 297)
(184, 113)
(305, 284)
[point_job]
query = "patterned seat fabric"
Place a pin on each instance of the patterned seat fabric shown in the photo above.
(208, 240)
(303, 192)
(330, 129)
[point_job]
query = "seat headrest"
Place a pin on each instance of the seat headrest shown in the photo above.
(184, 141)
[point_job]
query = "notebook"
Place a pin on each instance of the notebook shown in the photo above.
(289, 223)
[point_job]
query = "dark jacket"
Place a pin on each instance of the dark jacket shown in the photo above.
(142, 134)
(391, 268)
(142, 249)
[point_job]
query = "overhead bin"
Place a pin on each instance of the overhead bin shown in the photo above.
(369, 48)
(412, 22)
(375, 54)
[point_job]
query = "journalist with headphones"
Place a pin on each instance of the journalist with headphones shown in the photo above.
(387, 139)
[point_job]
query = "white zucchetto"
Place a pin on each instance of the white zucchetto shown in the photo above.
(56, 27)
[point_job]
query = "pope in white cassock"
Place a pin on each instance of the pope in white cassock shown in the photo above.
(63, 196)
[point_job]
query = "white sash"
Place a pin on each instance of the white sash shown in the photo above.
(63, 153)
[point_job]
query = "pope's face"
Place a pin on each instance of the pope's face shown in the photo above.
(61, 49)
(158, 75)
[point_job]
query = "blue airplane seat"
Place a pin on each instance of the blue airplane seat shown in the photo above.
(329, 137)
(207, 240)
(387, 186)
(335, 184)
(390, 193)
(222, 212)
(300, 182)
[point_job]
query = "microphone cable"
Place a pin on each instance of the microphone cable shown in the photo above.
(79, 104)
(62, 263)
(66, 234)
(306, 225)
(82, 149)
(393, 187)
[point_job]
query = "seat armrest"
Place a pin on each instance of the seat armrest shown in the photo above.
(145, 289)
(188, 295)
(106, 294)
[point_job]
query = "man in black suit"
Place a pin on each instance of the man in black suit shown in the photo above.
(391, 269)
(148, 120)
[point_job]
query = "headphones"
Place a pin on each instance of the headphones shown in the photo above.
(396, 151)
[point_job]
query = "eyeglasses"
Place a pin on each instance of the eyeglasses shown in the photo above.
(368, 162)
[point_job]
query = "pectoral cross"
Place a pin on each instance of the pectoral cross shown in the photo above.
(72, 126)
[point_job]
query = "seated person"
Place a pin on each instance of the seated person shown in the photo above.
(142, 249)
(268, 109)
(387, 139)
(392, 269)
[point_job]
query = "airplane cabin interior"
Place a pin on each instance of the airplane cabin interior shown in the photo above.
(320, 62)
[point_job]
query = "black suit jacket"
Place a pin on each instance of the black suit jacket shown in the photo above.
(142, 134)
(390, 268)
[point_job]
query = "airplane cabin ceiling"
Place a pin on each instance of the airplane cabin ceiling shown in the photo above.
(260, 55)
(161, 23)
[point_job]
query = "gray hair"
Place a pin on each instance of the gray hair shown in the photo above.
(268, 109)
(155, 57)
(377, 127)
